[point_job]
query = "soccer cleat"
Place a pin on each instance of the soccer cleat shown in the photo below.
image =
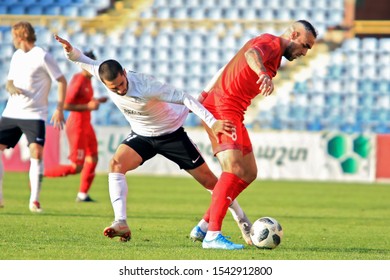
(220, 242)
(35, 207)
(197, 234)
(245, 226)
(1, 203)
(86, 199)
(118, 228)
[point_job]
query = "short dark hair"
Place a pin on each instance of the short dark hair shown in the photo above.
(109, 70)
(90, 54)
(309, 27)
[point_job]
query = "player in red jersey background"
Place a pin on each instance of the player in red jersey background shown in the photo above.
(82, 140)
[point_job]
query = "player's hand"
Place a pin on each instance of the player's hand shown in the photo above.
(65, 44)
(93, 104)
(266, 85)
(102, 99)
(14, 90)
(223, 127)
(58, 119)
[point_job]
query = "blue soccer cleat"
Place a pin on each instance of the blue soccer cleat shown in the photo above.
(197, 234)
(220, 242)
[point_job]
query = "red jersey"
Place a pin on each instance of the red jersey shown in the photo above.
(79, 91)
(236, 86)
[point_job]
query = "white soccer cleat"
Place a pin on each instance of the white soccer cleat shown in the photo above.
(120, 229)
(35, 207)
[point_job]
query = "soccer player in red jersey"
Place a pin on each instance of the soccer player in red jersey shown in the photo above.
(83, 145)
(248, 74)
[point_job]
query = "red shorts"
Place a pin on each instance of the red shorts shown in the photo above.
(239, 140)
(82, 142)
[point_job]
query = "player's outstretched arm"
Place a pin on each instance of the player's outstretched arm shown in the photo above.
(65, 44)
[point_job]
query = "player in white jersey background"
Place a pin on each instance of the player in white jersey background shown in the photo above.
(31, 72)
(156, 112)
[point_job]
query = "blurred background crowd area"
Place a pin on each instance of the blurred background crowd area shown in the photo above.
(343, 83)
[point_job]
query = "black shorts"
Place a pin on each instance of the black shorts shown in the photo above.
(176, 146)
(12, 129)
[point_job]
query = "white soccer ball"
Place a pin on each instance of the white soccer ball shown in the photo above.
(266, 233)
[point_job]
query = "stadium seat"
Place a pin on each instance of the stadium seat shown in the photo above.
(266, 14)
(198, 13)
(35, 10)
(70, 11)
(17, 9)
(6, 49)
(3, 9)
(352, 44)
(163, 13)
(179, 13)
(52, 10)
(88, 12)
(334, 17)
(384, 45)
(369, 44)
(249, 13)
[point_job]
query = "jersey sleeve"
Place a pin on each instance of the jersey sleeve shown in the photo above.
(167, 93)
(197, 108)
(11, 72)
(52, 67)
(265, 51)
(86, 63)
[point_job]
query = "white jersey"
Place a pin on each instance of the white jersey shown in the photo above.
(151, 107)
(32, 72)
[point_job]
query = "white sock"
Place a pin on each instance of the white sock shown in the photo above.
(35, 175)
(118, 189)
(82, 195)
(203, 225)
(236, 210)
(1, 176)
(211, 235)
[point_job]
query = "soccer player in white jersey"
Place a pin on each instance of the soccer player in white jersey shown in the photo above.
(156, 115)
(31, 72)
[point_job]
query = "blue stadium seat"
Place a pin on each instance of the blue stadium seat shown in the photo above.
(35, 10)
(17, 9)
(369, 44)
(27, 2)
(6, 49)
(88, 11)
(384, 45)
(44, 2)
(52, 10)
(163, 12)
(179, 13)
(197, 13)
(3, 9)
(352, 44)
(70, 11)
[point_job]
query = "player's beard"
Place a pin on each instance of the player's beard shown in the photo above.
(288, 52)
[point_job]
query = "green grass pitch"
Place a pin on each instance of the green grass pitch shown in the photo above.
(321, 220)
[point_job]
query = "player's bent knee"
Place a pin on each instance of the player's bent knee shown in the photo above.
(115, 166)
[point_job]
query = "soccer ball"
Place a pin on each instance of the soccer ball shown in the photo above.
(266, 233)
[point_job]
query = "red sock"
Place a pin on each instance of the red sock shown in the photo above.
(87, 176)
(206, 215)
(60, 171)
(225, 191)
